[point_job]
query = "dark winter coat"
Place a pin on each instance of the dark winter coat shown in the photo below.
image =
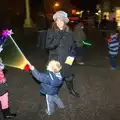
(42, 23)
(60, 45)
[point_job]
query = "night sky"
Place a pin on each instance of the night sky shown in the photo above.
(35, 3)
(85, 4)
(80, 4)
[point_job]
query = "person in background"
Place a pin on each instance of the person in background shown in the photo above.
(104, 23)
(114, 24)
(42, 26)
(4, 94)
(91, 22)
(113, 48)
(60, 44)
(79, 36)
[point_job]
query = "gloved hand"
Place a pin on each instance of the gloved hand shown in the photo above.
(108, 39)
(28, 67)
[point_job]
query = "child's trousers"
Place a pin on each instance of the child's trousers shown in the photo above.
(112, 61)
(51, 100)
(4, 101)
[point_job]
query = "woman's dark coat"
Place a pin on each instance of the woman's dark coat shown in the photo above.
(60, 45)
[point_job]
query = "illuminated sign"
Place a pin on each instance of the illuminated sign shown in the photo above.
(118, 16)
(73, 11)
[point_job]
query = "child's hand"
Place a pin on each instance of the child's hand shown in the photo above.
(28, 67)
(31, 67)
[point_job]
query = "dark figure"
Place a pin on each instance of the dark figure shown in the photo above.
(60, 44)
(79, 36)
(42, 26)
(96, 20)
(104, 25)
(114, 24)
(104, 22)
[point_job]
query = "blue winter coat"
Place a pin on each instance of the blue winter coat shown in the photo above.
(50, 82)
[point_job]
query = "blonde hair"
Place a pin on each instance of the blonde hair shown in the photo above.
(54, 66)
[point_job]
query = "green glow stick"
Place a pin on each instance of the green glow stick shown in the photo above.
(85, 43)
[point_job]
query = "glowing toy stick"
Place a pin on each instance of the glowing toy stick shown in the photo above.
(18, 48)
(18, 60)
(85, 43)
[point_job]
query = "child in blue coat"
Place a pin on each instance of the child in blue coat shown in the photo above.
(50, 84)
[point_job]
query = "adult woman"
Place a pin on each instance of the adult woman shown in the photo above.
(60, 44)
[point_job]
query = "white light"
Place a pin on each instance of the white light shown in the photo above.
(97, 13)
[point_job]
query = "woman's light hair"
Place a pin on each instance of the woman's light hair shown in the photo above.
(54, 66)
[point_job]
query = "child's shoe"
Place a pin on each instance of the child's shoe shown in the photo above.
(48, 113)
(8, 115)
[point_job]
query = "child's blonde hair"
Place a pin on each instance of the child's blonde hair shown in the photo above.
(54, 66)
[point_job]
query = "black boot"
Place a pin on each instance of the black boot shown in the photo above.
(69, 83)
(7, 114)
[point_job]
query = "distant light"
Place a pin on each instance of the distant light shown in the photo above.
(99, 11)
(56, 4)
(119, 24)
(118, 11)
(88, 11)
(118, 16)
(77, 13)
(73, 11)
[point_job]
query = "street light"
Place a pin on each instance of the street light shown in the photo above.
(28, 22)
(56, 4)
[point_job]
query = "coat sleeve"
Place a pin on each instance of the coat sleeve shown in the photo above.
(73, 46)
(84, 36)
(42, 77)
(51, 42)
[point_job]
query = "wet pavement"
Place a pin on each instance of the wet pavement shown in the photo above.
(97, 84)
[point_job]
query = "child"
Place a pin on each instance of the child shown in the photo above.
(4, 94)
(50, 84)
(113, 48)
(79, 36)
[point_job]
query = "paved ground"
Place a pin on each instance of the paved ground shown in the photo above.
(97, 84)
